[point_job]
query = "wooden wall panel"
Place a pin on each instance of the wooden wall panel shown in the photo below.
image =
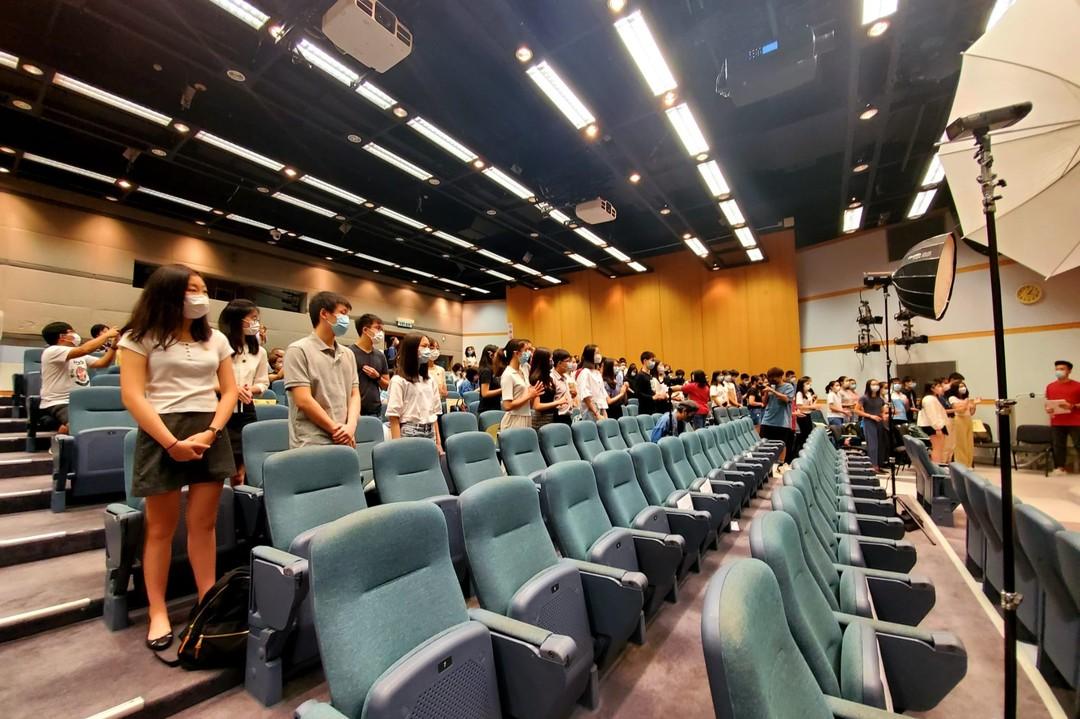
(547, 323)
(519, 310)
(575, 313)
(641, 318)
(606, 300)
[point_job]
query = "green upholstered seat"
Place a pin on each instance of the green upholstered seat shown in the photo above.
(261, 440)
(369, 433)
(407, 469)
(631, 431)
(471, 458)
(610, 434)
(520, 448)
(586, 439)
(557, 443)
(453, 423)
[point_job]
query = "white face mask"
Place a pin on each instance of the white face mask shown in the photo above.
(434, 354)
(599, 358)
(1060, 373)
(875, 387)
(76, 340)
(251, 328)
(196, 306)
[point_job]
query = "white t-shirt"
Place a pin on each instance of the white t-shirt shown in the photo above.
(835, 401)
(59, 375)
(414, 402)
(252, 370)
(182, 376)
(590, 383)
(514, 385)
(718, 394)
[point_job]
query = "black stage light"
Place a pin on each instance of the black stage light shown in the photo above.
(924, 279)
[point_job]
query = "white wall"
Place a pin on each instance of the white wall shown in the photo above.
(484, 323)
(1036, 334)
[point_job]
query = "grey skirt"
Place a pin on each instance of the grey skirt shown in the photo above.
(155, 472)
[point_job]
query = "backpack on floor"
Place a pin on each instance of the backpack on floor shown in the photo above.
(216, 632)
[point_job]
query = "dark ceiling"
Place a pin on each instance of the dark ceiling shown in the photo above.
(787, 156)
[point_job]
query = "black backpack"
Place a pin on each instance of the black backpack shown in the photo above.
(216, 632)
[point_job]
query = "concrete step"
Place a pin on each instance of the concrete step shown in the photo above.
(43, 595)
(24, 464)
(41, 534)
(10, 424)
(23, 494)
(16, 441)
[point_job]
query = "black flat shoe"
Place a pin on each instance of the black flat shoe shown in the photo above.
(161, 643)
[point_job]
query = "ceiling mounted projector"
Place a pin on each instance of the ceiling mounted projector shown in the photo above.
(368, 31)
(596, 211)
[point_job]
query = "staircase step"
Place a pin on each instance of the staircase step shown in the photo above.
(16, 441)
(24, 464)
(24, 494)
(50, 593)
(40, 534)
(9, 412)
(11, 424)
(236, 702)
(6, 400)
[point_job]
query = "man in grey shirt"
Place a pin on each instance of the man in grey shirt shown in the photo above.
(320, 377)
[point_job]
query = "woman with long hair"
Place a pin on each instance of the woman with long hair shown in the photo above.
(471, 361)
(490, 389)
(660, 389)
(698, 390)
(517, 393)
(934, 421)
(805, 403)
(871, 407)
(590, 385)
(616, 390)
(173, 363)
(413, 404)
(239, 322)
(963, 427)
(546, 406)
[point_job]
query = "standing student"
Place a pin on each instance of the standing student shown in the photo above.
(641, 385)
(934, 422)
(717, 390)
(590, 385)
(615, 387)
(321, 379)
(517, 393)
(65, 365)
(872, 409)
(490, 388)
(661, 390)
(899, 403)
(239, 322)
(373, 369)
(1063, 406)
(805, 403)
(413, 403)
(172, 362)
(697, 390)
(835, 414)
(848, 397)
(778, 397)
(471, 360)
(392, 350)
(547, 405)
(755, 402)
(963, 426)
(560, 370)
(436, 372)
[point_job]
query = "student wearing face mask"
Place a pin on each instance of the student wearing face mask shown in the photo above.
(490, 388)
(321, 378)
(641, 384)
(173, 362)
(848, 397)
(373, 367)
(436, 372)
(560, 371)
(805, 403)
(1063, 406)
(661, 388)
(66, 364)
(835, 414)
(547, 405)
(616, 389)
(899, 403)
(413, 404)
(239, 322)
(934, 422)
(471, 361)
(871, 407)
(590, 385)
(962, 428)
(517, 393)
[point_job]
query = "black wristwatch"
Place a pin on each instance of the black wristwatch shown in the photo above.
(217, 432)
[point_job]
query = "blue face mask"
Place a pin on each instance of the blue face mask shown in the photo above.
(426, 355)
(526, 356)
(340, 325)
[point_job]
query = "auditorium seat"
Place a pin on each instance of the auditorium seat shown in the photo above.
(932, 486)
(844, 648)
(31, 362)
(557, 443)
(721, 455)
(469, 397)
(265, 412)
(304, 489)
(703, 467)
(749, 655)
(870, 524)
(261, 440)
(720, 415)
(584, 531)
(471, 458)
(105, 380)
(974, 539)
(1025, 580)
(474, 407)
(520, 450)
(88, 461)
(684, 476)
(1067, 623)
(518, 574)
(490, 418)
(369, 433)
(610, 434)
(631, 431)
(586, 439)
(29, 406)
(268, 395)
(645, 425)
(838, 571)
(661, 491)
(631, 410)
(994, 562)
(845, 497)
(278, 386)
(453, 423)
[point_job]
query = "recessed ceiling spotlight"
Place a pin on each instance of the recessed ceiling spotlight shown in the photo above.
(218, 212)
(201, 222)
(665, 211)
(110, 198)
(611, 277)
(339, 218)
(415, 282)
(634, 178)
(33, 69)
(369, 205)
(4, 171)
(446, 256)
(354, 138)
(478, 164)
(868, 113)
(861, 167)
(180, 127)
(400, 239)
(7, 150)
(670, 98)
(400, 111)
(616, 5)
(573, 225)
(854, 203)
(687, 236)
(433, 181)
(263, 189)
(291, 233)
(158, 152)
(235, 75)
(22, 104)
(276, 31)
(592, 131)
(124, 184)
(877, 29)
(701, 156)
(462, 294)
(523, 54)
(329, 259)
(428, 229)
(534, 235)
(491, 212)
(290, 172)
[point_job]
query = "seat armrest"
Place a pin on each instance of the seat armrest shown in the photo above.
(315, 709)
(903, 598)
(843, 709)
(279, 583)
(896, 555)
(882, 627)
(556, 648)
(651, 519)
(615, 548)
(614, 599)
(63, 456)
(669, 540)
(251, 510)
(631, 579)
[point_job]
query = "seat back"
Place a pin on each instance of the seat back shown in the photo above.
(631, 410)
(631, 430)
(264, 412)
(749, 655)
(651, 474)
(975, 486)
(1037, 531)
(453, 423)
(586, 439)
(610, 434)
(774, 539)
(260, 441)
(471, 458)
(308, 487)
(792, 501)
(469, 397)
(557, 443)
(408, 469)
(695, 453)
(278, 386)
(675, 462)
(1068, 552)
(369, 433)
(646, 422)
(618, 488)
(1038, 434)
(710, 438)
(520, 450)
(490, 417)
(105, 380)
(505, 538)
(574, 508)
(32, 360)
(474, 407)
(396, 593)
(95, 408)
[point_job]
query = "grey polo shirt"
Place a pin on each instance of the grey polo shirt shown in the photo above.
(330, 372)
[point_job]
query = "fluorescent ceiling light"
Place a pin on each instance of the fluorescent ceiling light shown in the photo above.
(68, 168)
(921, 203)
(639, 42)
(686, 127)
(416, 272)
(249, 221)
(369, 258)
(440, 138)
(243, 11)
(560, 94)
(508, 183)
(481, 290)
(375, 96)
(327, 62)
(304, 204)
(320, 243)
(617, 254)
(935, 173)
(399, 162)
(590, 236)
(450, 238)
(95, 93)
(710, 172)
(455, 283)
(403, 219)
(9, 60)
(637, 267)
(527, 270)
(559, 216)
(755, 255)
(492, 256)
(332, 189)
(581, 260)
(745, 237)
(996, 14)
(731, 211)
(174, 198)
(551, 280)
(500, 275)
(239, 151)
(696, 247)
(853, 218)
(874, 10)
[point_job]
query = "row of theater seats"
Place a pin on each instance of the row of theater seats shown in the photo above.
(850, 646)
(627, 530)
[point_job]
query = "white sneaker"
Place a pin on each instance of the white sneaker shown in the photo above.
(1058, 472)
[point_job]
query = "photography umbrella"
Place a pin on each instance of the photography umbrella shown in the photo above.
(1030, 55)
